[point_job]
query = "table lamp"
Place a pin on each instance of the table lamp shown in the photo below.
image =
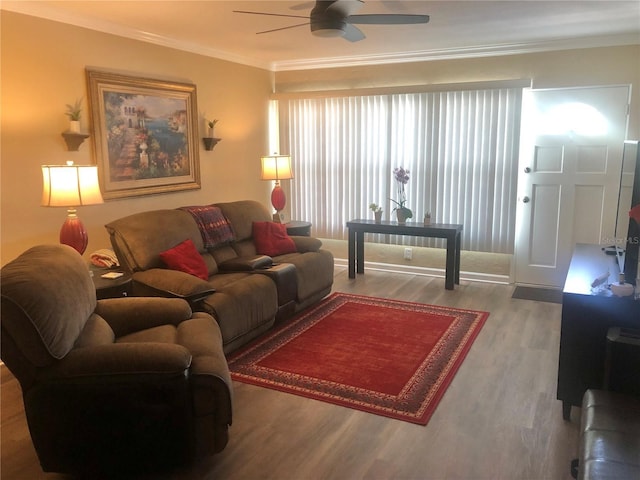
(71, 186)
(277, 167)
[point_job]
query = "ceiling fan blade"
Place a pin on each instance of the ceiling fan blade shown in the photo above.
(283, 28)
(353, 33)
(270, 14)
(387, 19)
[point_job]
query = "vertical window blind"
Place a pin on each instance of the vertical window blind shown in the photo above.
(460, 147)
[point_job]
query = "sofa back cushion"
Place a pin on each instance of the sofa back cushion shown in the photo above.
(47, 298)
(139, 239)
(242, 214)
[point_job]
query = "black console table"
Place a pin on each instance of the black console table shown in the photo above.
(586, 318)
(450, 232)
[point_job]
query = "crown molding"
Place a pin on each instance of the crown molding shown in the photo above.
(48, 12)
(459, 53)
(42, 10)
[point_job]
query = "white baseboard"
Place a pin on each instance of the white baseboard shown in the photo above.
(426, 271)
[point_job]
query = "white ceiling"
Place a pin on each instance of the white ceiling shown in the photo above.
(456, 28)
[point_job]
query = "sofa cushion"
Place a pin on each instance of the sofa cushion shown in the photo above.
(245, 305)
(314, 271)
(272, 239)
(185, 258)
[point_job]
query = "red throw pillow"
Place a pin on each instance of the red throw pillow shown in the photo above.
(186, 258)
(272, 239)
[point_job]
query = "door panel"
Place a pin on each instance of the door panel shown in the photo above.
(570, 161)
(544, 225)
(548, 159)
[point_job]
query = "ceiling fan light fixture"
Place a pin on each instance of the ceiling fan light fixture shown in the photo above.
(328, 32)
(328, 26)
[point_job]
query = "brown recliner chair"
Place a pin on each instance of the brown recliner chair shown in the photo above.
(110, 386)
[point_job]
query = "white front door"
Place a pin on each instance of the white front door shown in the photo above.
(569, 177)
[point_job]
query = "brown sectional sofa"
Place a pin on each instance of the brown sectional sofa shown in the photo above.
(245, 292)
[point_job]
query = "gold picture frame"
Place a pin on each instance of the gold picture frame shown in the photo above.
(145, 134)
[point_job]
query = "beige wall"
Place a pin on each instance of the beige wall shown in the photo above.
(569, 68)
(43, 69)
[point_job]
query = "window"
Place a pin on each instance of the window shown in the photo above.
(460, 147)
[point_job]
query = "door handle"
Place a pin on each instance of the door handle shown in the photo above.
(527, 169)
(526, 200)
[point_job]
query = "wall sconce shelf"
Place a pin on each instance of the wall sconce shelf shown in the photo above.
(210, 142)
(74, 140)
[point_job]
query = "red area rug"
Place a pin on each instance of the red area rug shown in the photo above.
(381, 356)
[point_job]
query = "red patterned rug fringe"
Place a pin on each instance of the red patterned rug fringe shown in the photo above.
(382, 356)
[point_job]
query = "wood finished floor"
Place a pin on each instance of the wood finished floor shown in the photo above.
(499, 419)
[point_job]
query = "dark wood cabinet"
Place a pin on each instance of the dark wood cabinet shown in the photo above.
(586, 318)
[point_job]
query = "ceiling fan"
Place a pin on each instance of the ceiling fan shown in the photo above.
(336, 19)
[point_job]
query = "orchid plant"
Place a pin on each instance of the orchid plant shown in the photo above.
(401, 176)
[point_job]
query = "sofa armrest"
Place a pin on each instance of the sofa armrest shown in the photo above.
(121, 359)
(132, 314)
(306, 244)
(246, 264)
(161, 282)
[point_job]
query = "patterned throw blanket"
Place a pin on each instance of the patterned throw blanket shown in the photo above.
(213, 225)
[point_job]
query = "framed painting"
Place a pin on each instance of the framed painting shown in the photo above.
(145, 134)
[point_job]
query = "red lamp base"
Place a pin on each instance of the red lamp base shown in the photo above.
(278, 198)
(73, 233)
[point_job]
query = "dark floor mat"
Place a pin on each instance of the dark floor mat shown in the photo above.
(538, 294)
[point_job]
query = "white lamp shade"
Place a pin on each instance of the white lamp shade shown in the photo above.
(276, 167)
(70, 185)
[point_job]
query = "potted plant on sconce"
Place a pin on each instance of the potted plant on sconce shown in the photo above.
(73, 137)
(377, 211)
(74, 112)
(210, 140)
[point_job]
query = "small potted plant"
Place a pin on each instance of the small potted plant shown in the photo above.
(210, 140)
(427, 218)
(377, 211)
(211, 125)
(74, 113)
